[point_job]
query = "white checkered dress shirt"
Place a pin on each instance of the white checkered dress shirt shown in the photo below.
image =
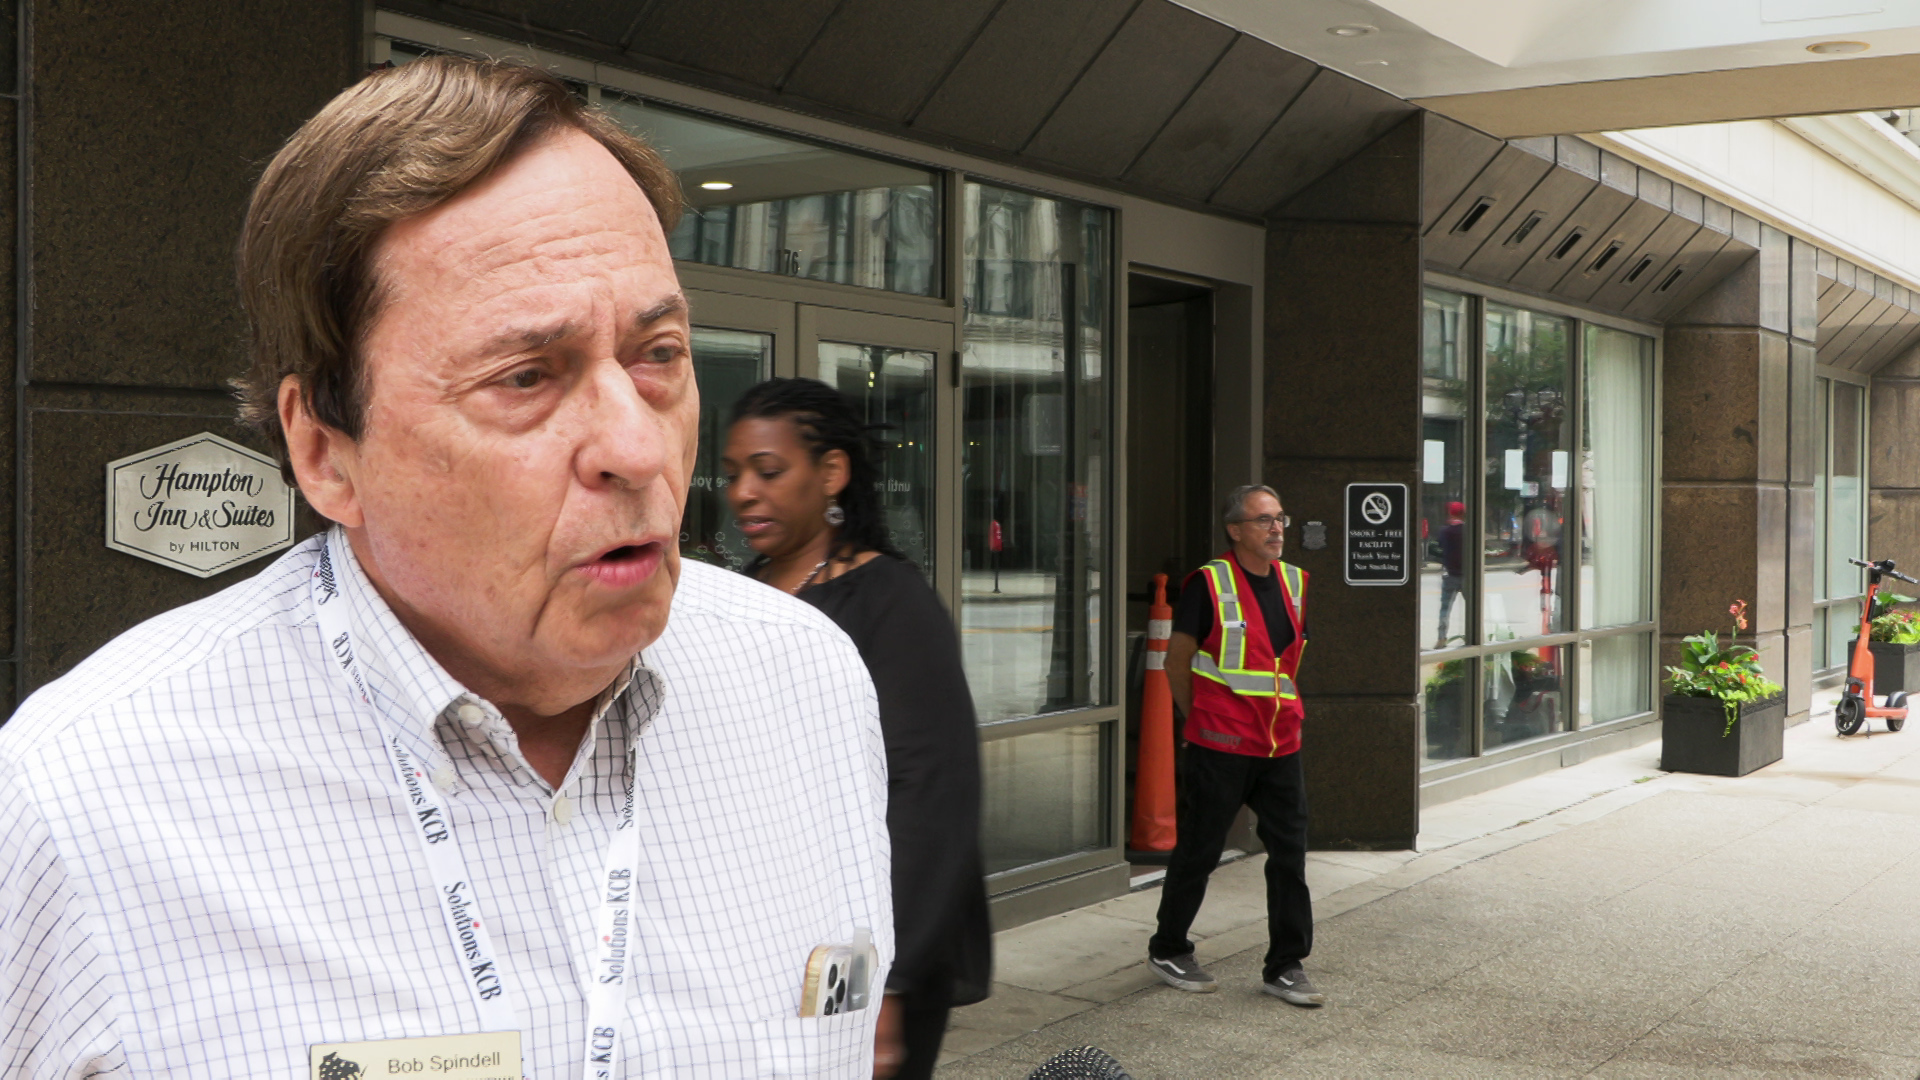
(205, 867)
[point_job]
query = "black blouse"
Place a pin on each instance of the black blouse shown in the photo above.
(943, 940)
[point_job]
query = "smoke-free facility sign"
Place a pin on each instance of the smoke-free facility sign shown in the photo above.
(1378, 548)
(199, 504)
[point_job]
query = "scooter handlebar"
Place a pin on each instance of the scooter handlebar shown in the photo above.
(1885, 566)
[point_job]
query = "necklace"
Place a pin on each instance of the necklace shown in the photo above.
(811, 574)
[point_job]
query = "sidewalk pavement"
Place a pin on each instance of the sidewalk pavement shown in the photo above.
(1605, 919)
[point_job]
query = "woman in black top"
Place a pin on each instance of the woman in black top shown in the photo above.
(800, 478)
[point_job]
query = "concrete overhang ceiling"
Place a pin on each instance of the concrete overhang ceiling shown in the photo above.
(1145, 96)
(1537, 67)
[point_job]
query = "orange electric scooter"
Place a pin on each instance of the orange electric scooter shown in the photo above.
(1856, 701)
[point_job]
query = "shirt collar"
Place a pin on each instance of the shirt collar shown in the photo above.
(412, 691)
(408, 686)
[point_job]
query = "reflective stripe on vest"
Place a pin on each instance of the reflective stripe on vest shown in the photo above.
(1236, 676)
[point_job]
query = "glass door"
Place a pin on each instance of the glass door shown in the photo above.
(737, 341)
(893, 367)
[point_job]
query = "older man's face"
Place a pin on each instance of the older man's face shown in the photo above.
(531, 420)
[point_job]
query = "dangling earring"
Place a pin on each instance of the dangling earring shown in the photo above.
(836, 517)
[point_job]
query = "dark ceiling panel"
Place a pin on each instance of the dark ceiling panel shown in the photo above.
(1019, 68)
(1156, 59)
(1885, 332)
(1868, 321)
(883, 57)
(1679, 275)
(1898, 339)
(1331, 120)
(1647, 264)
(606, 23)
(1232, 107)
(1841, 314)
(754, 43)
(1570, 242)
(1592, 271)
(1379, 184)
(1452, 156)
(1556, 196)
(1483, 208)
(1693, 285)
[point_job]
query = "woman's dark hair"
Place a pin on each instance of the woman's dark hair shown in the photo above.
(830, 420)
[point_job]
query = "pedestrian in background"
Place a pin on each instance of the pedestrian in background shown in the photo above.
(1237, 638)
(801, 480)
(1452, 564)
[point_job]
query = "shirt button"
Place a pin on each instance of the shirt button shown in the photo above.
(562, 810)
(472, 714)
(443, 778)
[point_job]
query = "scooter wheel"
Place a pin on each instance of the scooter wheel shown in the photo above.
(1848, 714)
(1896, 701)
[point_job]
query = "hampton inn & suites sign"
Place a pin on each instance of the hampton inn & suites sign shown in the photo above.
(200, 504)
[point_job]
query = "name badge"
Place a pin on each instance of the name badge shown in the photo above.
(494, 1055)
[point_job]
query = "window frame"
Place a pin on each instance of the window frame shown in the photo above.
(1473, 344)
(1823, 466)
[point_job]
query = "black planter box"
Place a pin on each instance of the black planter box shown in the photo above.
(1692, 741)
(1895, 667)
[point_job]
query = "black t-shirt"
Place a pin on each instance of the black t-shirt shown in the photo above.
(1194, 614)
(942, 935)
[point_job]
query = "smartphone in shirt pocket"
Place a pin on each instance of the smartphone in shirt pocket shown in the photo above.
(839, 978)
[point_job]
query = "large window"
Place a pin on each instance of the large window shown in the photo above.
(763, 202)
(1537, 571)
(1036, 335)
(1840, 517)
(779, 205)
(1034, 418)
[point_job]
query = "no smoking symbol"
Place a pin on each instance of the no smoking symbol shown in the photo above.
(1376, 509)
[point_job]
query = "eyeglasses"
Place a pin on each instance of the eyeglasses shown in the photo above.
(1267, 521)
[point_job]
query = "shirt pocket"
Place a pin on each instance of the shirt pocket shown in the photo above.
(817, 1046)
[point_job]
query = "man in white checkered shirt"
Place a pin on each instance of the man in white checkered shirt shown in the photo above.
(444, 790)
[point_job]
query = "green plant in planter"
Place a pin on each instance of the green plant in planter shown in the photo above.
(1891, 625)
(1731, 674)
(1446, 675)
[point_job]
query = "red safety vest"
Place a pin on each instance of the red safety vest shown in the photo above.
(1244, 697)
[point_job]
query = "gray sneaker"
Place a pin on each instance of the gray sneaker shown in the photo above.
(1293, 987)
(1184, 973)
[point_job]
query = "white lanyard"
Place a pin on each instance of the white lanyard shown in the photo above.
(472, 948)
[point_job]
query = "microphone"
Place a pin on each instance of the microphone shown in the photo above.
(1081, 1063)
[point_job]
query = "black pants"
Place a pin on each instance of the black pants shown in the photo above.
(1213, 787)
(923, 1026)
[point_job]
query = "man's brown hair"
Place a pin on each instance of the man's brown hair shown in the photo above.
(399, 143)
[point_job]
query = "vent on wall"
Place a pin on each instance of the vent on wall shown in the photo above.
(1639, 268)
(1567, 245)
(1473, 215)
(1526, 227)
(1606, 257)
(1671, 278)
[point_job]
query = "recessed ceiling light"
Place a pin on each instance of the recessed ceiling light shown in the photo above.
(1351, 30)
(718, 185)
(1837, 48)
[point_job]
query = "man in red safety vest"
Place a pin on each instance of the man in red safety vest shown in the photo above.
(1238, 633)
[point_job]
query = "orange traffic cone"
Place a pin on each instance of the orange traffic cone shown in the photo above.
(1153, 815)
